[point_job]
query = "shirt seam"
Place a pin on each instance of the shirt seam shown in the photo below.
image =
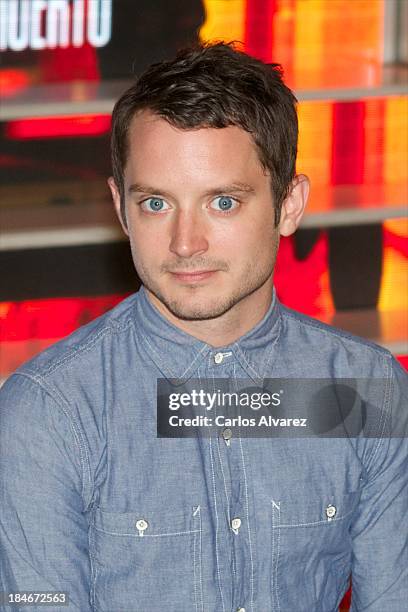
(313, 523)
(83, 348)
(274, 343)
(241, 352)
(384, 411)
(146, 535)
(76, 433)
(163, 367)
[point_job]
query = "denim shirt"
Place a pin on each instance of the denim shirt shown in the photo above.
(93, 503)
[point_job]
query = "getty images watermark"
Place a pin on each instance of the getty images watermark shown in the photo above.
(277, 408)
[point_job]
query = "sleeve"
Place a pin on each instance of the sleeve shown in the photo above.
(43, 522)
(380, 530)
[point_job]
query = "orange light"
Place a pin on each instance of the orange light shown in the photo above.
(13, 81)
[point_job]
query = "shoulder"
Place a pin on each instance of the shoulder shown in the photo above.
(79, 347)
(316, 350)
(59, 395)
(326, 346)
(71, 372)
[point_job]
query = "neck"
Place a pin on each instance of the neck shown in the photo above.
(230, 326)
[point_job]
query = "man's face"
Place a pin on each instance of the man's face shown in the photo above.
(200, 218)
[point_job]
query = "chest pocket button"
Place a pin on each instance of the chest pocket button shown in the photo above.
(330, 512)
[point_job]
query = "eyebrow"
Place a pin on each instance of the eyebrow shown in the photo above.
(138, 188)
(232, 188)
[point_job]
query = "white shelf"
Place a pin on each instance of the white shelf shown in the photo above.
(80, 98)
(386, 328)
(25, 227)
(341, 205)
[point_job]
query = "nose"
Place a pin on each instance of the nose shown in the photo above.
(188, 235)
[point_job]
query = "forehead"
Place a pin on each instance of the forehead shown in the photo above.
(155, 144)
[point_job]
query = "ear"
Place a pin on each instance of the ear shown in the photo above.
(116, 200)
(294, 205)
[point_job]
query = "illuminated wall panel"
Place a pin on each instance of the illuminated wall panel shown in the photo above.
(394, 280)
(284, 35)
(259, 18)
(396, 139)
(347, 163)
(315, 141)
(374, 141)
(308, 43)
(58, 127)
(225, 19)
(320, 43)
(352, 41)
(356, 143)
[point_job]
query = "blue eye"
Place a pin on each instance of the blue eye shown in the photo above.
(225, 203)
(154, 205)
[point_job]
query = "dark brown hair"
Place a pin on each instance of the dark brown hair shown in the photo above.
(216, 85)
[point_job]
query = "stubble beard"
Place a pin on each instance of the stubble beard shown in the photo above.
(252, 279)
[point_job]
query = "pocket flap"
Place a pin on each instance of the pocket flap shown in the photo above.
(166, 522)
(309, 511)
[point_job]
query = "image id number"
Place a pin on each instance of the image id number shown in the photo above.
(38, 598)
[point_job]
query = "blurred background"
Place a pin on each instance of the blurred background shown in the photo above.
(63, 64)
(64, 260)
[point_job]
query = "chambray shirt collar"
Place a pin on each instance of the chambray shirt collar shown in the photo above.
(178, 354)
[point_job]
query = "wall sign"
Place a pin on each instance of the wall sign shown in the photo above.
(47, 24)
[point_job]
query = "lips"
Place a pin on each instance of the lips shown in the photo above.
(192, 277)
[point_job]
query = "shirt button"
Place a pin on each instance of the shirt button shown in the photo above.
(236, 523)
(218, 357)
(141, 525)
(227, 434)
(331, 511)
(241, 610)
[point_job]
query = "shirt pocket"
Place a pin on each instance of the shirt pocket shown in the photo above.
(147, 561)
(311, 550)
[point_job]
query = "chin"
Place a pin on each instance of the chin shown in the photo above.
(193, 307)
(196, 311)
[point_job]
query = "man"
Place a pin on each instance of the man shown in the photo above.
(94, 503)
